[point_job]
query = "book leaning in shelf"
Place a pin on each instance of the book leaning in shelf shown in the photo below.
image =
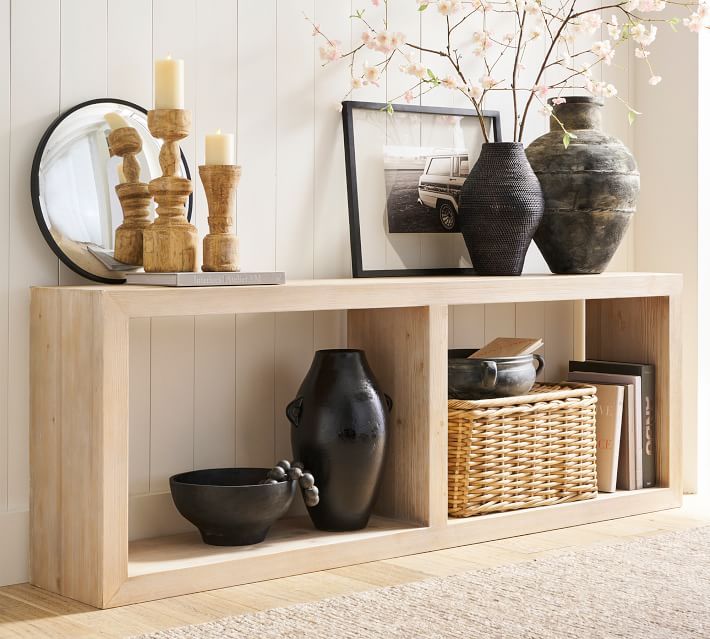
(610, 407)
(647, 407)
(630, 476)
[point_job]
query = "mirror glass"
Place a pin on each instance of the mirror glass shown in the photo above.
(74, 177)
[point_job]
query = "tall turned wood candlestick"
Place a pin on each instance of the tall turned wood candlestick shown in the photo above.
(133, 195)
(220, 247)
(170, 242)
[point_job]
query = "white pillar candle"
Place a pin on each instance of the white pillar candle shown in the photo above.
(169, 84)
(115, 121)
(219, 148)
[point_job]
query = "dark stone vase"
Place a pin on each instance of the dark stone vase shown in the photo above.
(500, 207)
(590, 189)
(339, 432)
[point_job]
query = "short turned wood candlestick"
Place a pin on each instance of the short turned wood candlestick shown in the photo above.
(170, 242)
(220, 247)
(133, 195)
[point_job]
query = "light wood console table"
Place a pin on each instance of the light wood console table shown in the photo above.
(79, 425)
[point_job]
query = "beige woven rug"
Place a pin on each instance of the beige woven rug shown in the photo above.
(650, 588)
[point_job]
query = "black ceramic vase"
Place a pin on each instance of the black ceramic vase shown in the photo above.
(339, 432)
(590, 189)
(500, 207)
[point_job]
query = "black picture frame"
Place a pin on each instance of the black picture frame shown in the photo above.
(351, 177)
(34, 186)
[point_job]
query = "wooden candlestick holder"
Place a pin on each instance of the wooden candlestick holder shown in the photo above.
(170, 242)
(133, 195)
(220, 248)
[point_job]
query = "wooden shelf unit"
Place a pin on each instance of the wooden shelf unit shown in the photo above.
(79, 425)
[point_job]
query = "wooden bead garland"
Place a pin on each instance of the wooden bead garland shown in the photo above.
(294, 471)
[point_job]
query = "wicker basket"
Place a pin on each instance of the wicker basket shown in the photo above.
(521, 452)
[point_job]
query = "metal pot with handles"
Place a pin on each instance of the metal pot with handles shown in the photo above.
(491, 376)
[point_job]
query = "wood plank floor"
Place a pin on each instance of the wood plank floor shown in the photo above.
(26, 611)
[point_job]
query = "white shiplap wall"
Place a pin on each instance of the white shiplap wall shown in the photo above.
(205, 391)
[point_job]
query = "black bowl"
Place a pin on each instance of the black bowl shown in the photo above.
(228, 505)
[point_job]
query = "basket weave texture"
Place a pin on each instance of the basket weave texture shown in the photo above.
(521, 452)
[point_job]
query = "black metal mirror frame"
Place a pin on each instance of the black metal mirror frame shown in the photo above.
(34, 186)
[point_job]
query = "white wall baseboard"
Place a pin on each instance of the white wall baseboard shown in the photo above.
(15, 546)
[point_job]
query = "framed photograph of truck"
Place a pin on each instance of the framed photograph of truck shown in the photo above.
(405, 168)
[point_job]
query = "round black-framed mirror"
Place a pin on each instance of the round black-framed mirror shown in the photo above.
(72, 185)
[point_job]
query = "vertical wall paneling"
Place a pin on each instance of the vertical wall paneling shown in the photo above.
(530, 322)
(294, 352)
(499, 321)
(83, 43)
(331, 240)
(256, 134)
(173, 339)
(330, 329)
(468, 326)
(371, 136)
(215, 108)
(171, 400)
(295, 141)
(402, 248)
(215, 372)
(559, 339)
(34, 103)
(129, 76)
(139, 397)
(615, 118)
(331, 255)
(255, 390)
(5, 128)
(130, 68)
(256, 226)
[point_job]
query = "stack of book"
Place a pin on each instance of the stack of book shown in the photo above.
(626, 422)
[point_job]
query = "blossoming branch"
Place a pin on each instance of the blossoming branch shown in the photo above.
(485, 44)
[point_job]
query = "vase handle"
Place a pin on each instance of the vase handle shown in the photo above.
(293, 411)
(490, 374)
(389, 402)
(540, 363)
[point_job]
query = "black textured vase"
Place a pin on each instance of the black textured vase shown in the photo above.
(590, 189)
(500, 207)
(339, 431)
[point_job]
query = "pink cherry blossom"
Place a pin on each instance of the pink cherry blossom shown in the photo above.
(376, 3)
(541, 89)
(371, 74)
(408, 96)
(654, 80)
(417, 69)
(488, 82)
(558, 101)
(448, 7)
(603, 50)
(613, 28)
(330, 51)
(475, 90)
